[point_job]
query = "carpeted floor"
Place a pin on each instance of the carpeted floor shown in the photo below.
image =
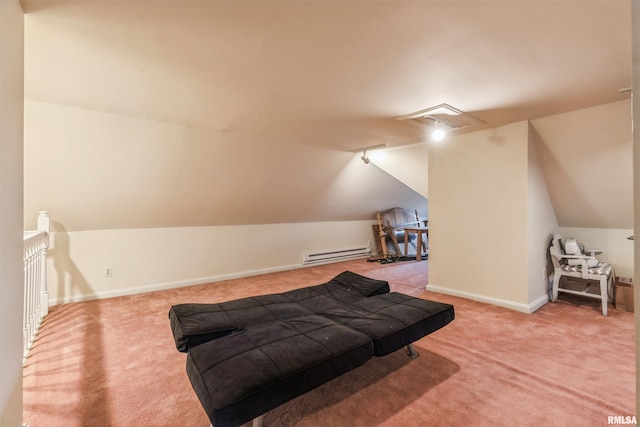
(112, 362)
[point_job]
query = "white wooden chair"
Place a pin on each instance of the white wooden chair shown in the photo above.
(576, 264)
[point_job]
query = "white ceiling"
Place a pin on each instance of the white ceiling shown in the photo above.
(160, 113)
(329, 73)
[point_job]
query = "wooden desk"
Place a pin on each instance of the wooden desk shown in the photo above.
(420, 244)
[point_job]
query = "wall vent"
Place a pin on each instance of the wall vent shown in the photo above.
(338, 255)
(443, 114)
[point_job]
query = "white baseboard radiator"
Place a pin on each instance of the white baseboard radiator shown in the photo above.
(337, 255)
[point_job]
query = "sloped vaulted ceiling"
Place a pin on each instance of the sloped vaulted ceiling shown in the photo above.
(147, 113)
(113, 171)
(587, 159)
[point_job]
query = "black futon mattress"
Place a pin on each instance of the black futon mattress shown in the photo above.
(248, 356)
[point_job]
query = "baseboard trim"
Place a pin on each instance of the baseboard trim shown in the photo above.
(172, 285)
(517, 306)
(539, 303)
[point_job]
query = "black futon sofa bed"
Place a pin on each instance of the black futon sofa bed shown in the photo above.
(248, 356)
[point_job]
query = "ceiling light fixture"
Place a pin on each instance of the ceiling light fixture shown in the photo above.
(364, 158)
(364, 150)
(444, 114)
(438, 134)
(445, 118)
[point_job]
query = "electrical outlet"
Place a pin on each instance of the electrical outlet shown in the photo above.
(545, 276)
(108, 272)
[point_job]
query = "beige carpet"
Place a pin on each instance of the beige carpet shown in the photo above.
(112, 362)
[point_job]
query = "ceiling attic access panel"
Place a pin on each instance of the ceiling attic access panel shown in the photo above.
(444, 116)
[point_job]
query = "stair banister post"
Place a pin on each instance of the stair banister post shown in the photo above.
(44, 224)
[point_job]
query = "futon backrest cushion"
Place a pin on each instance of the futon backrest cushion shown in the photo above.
(194, 324)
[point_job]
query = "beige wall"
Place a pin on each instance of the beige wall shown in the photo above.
(96, 169)
(541, 223)
(159, 258)
(636, 177)
(586, 158)
(11, 270)
(578, 177)
(407, 163)
(478, 210)
(165, 204)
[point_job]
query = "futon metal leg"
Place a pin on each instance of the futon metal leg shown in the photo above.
(411, 351)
